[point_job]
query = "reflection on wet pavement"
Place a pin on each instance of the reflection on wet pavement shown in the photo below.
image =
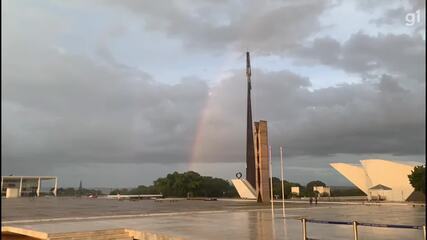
(259, 224)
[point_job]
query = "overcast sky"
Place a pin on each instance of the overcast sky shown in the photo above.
(119, 93)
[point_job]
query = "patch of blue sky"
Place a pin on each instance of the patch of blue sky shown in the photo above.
(165, 58)
(343, 20)
(320, 76)
(85, 30)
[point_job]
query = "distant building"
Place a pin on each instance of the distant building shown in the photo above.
(17, 186)
(380, 179)
(322, 191)
(380, 192)
(295, 191)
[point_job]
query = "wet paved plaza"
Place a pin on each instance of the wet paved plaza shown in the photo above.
(51, 207)
(213, 220)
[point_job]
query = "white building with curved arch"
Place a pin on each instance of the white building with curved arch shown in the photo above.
(380, 179)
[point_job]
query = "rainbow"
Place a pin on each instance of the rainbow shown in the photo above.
(199, 144)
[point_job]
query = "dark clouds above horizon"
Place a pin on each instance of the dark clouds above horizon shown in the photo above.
(131, 90)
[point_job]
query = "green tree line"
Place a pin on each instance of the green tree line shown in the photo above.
(183, 184)
(192, 183)
(77, 192)
(417, 178)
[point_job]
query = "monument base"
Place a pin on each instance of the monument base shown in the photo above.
(244, 188)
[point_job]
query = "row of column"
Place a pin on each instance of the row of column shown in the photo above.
(38, 186)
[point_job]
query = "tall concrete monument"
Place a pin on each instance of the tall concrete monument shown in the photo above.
(250, 150)
(257, 184)
(262, 164)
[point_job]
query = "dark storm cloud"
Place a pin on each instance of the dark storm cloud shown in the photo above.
(61, 107)
(362, 118)
(70, 109)
(402, 55)
(64, 108)
(255, 25)
(104, 114)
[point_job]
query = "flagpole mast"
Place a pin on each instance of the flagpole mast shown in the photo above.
(271, 180)
(283, 182)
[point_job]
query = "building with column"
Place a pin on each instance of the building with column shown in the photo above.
(18, 186)
(380, 179)
(322, 191)
(295, 191)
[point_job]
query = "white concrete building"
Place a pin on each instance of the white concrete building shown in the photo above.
(295, 191)
(322, 190)
(380, 179)
(26, 185)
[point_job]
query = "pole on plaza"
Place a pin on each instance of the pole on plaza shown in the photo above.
(271, 180)
(355, 232)
(304, 229)
(283, 182)
(424, 230)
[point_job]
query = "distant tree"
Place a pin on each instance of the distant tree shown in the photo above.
(295, 195)
(417, 178)
(87, 192)
(316, 193)
(309, 188)
(347, 192)
(142, 189)
(325, 194)
(277, 187)
(80, 191)
(120, 191)
(192, 184)
(66, 192)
